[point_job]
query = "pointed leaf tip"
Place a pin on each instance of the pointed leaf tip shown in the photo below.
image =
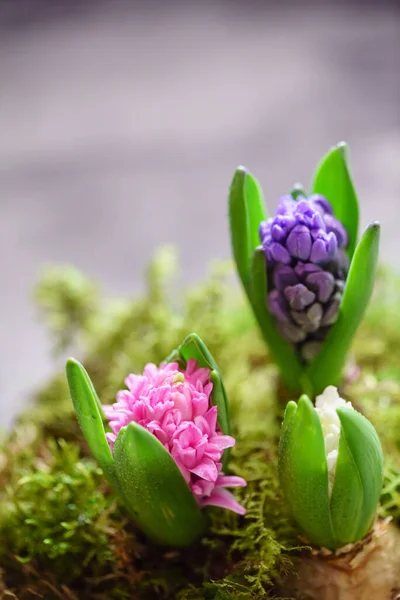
(297, 190)
(344, 149)
(333, 180)
(246, 211)
(194, 347)
(288, 418)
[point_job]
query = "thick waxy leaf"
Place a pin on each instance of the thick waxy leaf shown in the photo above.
(283, 353)
(288, 418)
(358, 478)
(256, 211)
(194, 347)
(332, 179)
(218, 399)
(86, 404)
(153, 489)
(303, 472)
(326, 368)
(246, 211)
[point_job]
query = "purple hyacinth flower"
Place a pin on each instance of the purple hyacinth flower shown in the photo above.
(305, 245)
(299, 242)
(298, 296)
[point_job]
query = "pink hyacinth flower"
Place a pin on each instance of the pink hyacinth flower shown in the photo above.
(175, 406)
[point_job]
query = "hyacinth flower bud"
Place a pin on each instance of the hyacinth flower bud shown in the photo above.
(331, 469)
(307, 280)
(167, 442)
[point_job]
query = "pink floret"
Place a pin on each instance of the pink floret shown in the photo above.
(175, 406)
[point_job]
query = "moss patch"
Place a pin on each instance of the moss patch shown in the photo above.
(63, 533)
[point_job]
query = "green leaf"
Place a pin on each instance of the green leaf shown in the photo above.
(332, 179)
(298, 190)
(153, 489)
(255, 207)
(219, 399)
(326, 368)
(303, 472)
(358, 478)
(282, 351)
(86, 404)
(288, 418)
(246, 211)
(347, 496)
(194, 347)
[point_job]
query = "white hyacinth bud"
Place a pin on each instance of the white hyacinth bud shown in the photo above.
(326, 405)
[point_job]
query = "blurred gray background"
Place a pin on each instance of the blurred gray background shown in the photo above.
(121, 124)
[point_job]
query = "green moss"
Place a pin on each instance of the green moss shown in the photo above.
(63, 533)
(390, 499)
(67, 300)
(57, 509)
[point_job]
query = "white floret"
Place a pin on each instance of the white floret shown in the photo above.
(325, 406)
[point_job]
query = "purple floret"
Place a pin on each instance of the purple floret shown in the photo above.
(304, 245)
